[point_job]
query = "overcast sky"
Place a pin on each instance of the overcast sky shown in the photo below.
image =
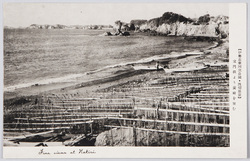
(25, 14)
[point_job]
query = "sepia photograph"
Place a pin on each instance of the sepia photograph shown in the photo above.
(116, 75)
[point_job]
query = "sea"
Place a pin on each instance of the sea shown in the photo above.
(42, 56)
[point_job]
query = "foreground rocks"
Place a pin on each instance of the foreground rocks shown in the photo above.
(116, 34)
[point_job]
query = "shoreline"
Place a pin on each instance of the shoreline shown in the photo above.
(184, 63)
(95, 77)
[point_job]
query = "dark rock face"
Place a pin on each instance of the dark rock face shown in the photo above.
(132, 27)
(204, 19)
(170, 17)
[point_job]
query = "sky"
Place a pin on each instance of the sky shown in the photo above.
(25, 14)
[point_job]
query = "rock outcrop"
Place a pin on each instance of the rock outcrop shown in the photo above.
(175, 24)
(178, 25)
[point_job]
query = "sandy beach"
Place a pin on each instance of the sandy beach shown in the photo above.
(113, 75)
(176, 60)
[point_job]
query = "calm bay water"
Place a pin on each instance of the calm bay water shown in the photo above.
(32, 55)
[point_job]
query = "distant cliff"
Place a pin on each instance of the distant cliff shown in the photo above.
(175, 24)
(58, 26)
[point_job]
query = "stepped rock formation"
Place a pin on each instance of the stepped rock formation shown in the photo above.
(181, 29)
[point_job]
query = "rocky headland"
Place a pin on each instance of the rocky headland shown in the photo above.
(173, 24)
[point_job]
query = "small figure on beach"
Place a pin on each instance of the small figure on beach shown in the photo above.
(36, 101)
(157, 65)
